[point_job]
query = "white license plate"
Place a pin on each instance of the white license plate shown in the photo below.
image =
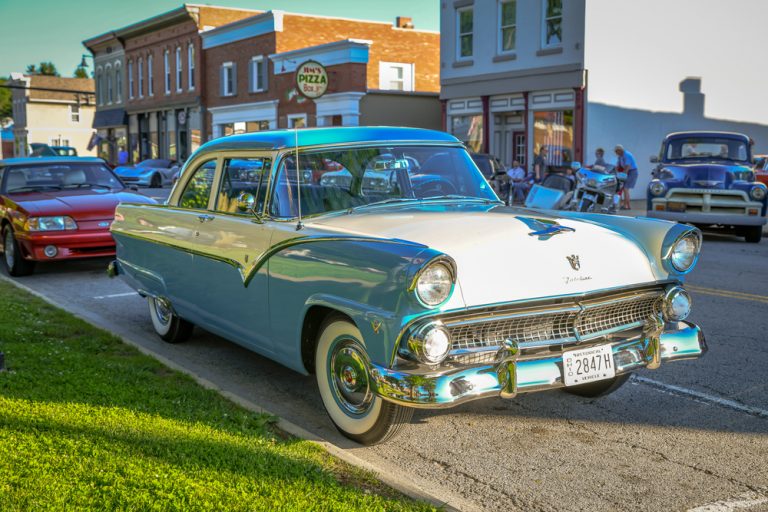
(588, 365)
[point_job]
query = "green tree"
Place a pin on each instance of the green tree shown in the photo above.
(6, 109)
(80, 72)
(44, 68)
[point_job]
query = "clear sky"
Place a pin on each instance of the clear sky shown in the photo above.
(40, 30)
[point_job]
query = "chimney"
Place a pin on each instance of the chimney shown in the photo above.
(403, 22)
(693, 98)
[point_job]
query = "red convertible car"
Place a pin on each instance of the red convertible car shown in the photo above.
(57, 208)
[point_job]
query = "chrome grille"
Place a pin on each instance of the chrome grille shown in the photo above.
(555, 325)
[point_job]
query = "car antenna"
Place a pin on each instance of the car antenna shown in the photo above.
(299, 225)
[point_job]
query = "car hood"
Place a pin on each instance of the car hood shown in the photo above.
(497, 257)
(705, 175)
(84, 204)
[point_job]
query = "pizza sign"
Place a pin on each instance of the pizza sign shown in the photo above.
(311, 79)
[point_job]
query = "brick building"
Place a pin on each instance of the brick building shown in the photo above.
(164, 83)
(377, 73)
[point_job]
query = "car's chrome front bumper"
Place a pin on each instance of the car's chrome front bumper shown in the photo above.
(514, 373)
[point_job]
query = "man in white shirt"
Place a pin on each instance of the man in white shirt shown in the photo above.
(519, 182)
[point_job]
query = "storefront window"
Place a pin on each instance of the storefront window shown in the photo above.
(194, 123)
(170, 121)
(256, 126)
(554, 130)
(469, 130)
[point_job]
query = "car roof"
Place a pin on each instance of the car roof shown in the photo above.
(52, 160)
(705, 133)
(280, 139)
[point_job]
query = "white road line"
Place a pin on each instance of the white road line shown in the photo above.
(722, 402)
(115, 295)
(747, 500)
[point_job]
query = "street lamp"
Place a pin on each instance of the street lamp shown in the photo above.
(83, 63)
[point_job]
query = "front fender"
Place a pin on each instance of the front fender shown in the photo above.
(367, 280)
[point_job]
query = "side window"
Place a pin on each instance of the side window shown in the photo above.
(198, 189)
(243, 179)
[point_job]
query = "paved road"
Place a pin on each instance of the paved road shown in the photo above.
(688, 435)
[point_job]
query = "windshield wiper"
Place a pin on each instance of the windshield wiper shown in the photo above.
(30, 188)
(457, 196)
(391, 200)
(88, 185)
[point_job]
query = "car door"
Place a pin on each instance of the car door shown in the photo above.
(230, 242)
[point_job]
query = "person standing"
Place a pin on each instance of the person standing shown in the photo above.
(519, 183)
(625, 162)
(600, 158)
(122, 156)
(540, 165)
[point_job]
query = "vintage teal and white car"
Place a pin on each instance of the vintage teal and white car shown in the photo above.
(391, 295)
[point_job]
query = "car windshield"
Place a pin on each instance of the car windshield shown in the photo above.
(155, 163)
(334, 180)
(707, 148)
(59, 176)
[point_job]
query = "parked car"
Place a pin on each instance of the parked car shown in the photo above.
(57, 208)
(64, 150)
(41, 149)
(387, 295)
(705, 179)
(153, 173)
(761, 168)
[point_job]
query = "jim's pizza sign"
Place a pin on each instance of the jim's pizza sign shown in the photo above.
(311, 79)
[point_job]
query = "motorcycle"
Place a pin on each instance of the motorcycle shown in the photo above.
(597, 190)
(555, 192)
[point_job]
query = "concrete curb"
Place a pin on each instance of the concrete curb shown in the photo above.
(388, 474)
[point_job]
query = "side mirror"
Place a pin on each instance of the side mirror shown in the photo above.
(654, 159)
(246, 202)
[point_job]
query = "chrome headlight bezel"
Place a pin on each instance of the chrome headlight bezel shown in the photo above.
(692, 236)
(758, 192)
(417, 284)
(51, 223)
(657, 188)
(432, 333)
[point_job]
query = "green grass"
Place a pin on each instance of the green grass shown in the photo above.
(87, 422)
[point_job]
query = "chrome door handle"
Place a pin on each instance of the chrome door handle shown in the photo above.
(205, 217)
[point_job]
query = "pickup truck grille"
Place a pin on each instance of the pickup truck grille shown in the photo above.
(560, 324)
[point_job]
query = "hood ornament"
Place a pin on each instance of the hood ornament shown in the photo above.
(544, 229)
(573, 259)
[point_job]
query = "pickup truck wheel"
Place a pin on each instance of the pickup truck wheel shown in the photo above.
(156, 182)
(599, 388)
(14, 261)
(341, 368)
(168, 325)
(753, 234)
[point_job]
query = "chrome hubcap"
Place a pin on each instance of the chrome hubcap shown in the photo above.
(349, 378)
(163, 310)
(10, 255)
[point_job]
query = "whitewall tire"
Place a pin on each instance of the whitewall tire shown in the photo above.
(168, 325)
(341, 368)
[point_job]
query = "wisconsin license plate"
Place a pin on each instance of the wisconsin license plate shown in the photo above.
(588, 365)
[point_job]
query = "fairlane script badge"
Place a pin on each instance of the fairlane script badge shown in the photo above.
(573, 259)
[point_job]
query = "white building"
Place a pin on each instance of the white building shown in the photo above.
(575, 75)
(52, 110)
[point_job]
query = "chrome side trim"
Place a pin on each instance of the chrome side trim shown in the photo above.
(247, 272)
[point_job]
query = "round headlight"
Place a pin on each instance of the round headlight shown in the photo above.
(684, 252)
(757, 193)
(677, 304)
(431, 343)
(434, 284)
(657, 188)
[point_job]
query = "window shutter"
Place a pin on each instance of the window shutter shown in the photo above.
(252, 81)
(234, 79)
(222, 78)
(264, 73)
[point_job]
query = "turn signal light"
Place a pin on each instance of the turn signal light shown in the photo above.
(660, 207)
(752, 211)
